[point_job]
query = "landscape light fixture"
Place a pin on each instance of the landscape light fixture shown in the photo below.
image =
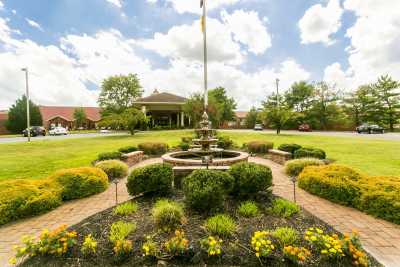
(294, 180)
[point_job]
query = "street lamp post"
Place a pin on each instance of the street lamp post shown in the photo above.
(277, 93)
(28, 116)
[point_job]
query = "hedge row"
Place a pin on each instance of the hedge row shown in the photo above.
(24, 198)
(378, 196)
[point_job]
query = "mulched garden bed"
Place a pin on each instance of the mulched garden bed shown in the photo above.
(236, 250)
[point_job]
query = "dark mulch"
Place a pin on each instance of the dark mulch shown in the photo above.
(236, 249)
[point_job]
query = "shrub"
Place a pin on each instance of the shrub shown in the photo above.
(284, 208)
(286, 236)
(109, 155)
(120, 230)
(128, 149)
(224, 142)
(248, 209)
(168, 215)
(309, 152)
(291, 148)
(23, 198)
(334, 182)
(250, 178)
(153, 148)
(126, 208)
(156, 179)
(206, 189)
(221, 225)
(259, 147)
(184, 146)
(81, 182)
(294, 167)
(114, 169)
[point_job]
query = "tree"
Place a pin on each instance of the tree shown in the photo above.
(79, 117)
(275, 116)
(361, 106)
(251, 118)
(17, 120)
(386, 91)
(118, 93)
(299, 97)
(130, 119)
(194, 107)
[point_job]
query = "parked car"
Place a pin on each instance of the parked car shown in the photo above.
(35, 131)
(58, 131)
(305, 128)
(258, 127)
(370, 128)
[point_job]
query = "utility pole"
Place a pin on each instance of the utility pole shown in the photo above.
(28, 116)
(204, 29)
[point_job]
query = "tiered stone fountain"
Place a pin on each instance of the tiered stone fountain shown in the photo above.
(205, 152)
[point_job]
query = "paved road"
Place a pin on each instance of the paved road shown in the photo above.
(386, 136)
(60, 137)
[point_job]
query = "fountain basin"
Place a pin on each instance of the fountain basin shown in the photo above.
(221, 158)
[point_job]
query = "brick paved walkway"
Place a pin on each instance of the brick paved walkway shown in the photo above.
(380, 238)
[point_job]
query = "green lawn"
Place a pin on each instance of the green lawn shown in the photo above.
(40, 158)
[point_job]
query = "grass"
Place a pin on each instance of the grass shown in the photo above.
(284, 208)
(38, 159)
(248, 209)
(126, 208)
(220, 225)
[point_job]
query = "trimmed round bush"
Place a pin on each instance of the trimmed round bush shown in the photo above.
(184, 146)
(224, 142)
(206, 189)
(24, 198)
(291, 148)
(155, 179)
(81, 182)
(334, 182)
(310, 152)
(115, 169)
(153, 148)
(109, 155)
(259, 147)
(168, 215)
(250, 178)
(128, 149)
(295, 167)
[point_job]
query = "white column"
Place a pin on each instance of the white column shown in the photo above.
(182, 119)
(144, 110)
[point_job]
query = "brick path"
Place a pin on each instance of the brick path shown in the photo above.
(380, 238)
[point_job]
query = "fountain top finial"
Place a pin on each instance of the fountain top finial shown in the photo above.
(205, 116)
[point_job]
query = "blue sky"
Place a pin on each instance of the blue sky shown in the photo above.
(71, 45)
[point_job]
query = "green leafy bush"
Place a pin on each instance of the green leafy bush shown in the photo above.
(128, 149)
(286, 236)
(81, 182)
(248, 209)
(156, 179)
(120, 230)
(187, 139)
(250, 178)
(184, 146)
(114, 169)
(206, 189)
(153, 148)
(168, 215)
(109, 155)
(220, 225)
(334, 182)
(224, 142)
(284, 208)
(291, 148)
(259, 147)
(24, 198)
(310, 152)
(295, 167)
(126, 208)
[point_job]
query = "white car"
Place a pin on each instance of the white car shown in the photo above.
(58, 131)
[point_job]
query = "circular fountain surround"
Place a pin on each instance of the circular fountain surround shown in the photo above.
(186, 158)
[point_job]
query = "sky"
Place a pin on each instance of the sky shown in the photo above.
(70, 46)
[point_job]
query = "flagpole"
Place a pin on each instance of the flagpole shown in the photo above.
(205, 55)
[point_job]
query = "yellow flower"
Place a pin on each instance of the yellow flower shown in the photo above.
(12, 261)
(257, 255)
(324, 251)
(313, 238)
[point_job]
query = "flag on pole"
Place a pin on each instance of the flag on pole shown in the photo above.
(203, 26)
(201, 3)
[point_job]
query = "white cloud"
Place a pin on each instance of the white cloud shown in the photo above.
(117, 3)
(1, 5)
(333, 74)
(320, 22)
(34, 24)
(193, 6)
(248, 29)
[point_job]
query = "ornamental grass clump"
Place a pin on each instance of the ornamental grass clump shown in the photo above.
(248, 209)
(284, 208)
(220, 225)
(294, 167)
(261, 244)
(120, 230)
(152, 148)
(286, 236)
(115, 169)
(168, 215)
(259, 147)
(212, 246)
(126, 208)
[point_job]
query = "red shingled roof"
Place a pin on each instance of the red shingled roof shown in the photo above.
(241, 114)
(3, 115)
(67, 113)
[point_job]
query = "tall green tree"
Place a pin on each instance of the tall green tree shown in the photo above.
(80, 117)
(275, 116)
(386, 91)
(118, 93)
(17, 117)
(226, 105)
(130, 119)
(361, 106)
(194, 107)
(300, 96)
(252, 118)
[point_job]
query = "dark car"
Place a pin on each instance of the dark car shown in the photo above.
(35, 131)
(305, 128)
(370, 128)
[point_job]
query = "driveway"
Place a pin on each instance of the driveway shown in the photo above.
(6, 140)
